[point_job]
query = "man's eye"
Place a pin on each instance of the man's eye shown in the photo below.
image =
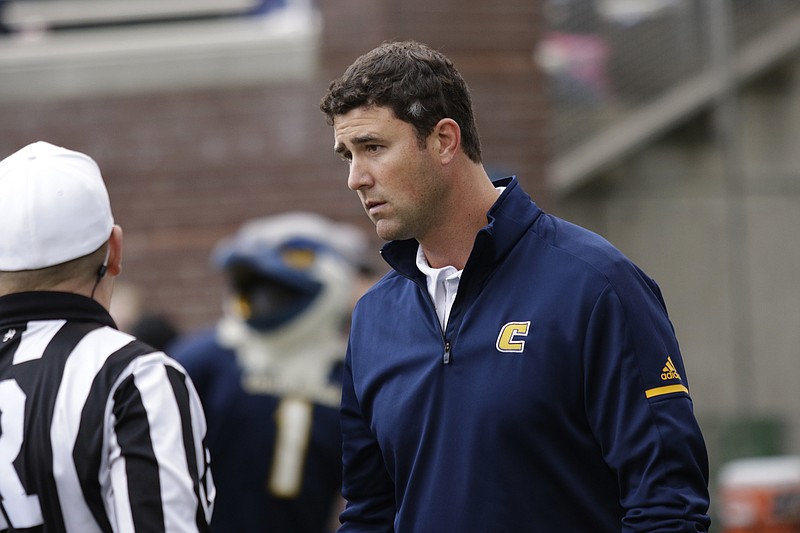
(372, 147)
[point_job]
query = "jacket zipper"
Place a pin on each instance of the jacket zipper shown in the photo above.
(446, 354)
(442, 328)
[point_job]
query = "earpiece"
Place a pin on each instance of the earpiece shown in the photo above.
(101, 271)
(104, 267)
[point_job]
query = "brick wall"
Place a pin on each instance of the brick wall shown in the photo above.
(185, 169)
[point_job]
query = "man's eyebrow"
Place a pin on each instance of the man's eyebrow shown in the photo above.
(355, 141)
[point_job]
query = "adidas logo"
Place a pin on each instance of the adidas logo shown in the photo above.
(669, 371)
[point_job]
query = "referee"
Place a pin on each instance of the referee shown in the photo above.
(98, 431)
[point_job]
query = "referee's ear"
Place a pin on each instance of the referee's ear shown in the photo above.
(115, 251)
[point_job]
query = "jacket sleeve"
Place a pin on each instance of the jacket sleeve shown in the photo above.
(639, 407)
(366, 485)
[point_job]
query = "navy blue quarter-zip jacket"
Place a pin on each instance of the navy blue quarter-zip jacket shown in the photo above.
(556, 400)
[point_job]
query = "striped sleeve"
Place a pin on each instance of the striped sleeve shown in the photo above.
(142, 412)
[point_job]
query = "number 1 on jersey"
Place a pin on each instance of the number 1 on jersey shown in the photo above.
(293, 419)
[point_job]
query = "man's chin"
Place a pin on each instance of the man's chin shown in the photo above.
(388, 231)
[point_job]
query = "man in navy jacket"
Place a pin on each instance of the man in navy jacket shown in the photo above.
(513, 372)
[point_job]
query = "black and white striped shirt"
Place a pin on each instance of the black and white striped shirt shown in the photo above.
(98, 431)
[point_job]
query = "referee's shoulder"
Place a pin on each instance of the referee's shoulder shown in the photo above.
(119, 348)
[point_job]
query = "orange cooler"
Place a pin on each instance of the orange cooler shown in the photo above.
(760, 495)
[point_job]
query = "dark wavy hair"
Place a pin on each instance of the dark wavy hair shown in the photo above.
(420, 85)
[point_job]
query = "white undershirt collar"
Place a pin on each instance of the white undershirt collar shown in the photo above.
(442, 286)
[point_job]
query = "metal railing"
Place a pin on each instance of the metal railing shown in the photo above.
(621, 72)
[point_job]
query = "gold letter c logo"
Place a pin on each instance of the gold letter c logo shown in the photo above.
(508, 340)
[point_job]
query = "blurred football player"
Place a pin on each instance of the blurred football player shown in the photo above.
(269, 372)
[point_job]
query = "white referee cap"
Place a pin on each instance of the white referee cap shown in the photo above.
(54, 207)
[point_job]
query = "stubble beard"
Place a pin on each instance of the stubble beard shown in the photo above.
(389, 230)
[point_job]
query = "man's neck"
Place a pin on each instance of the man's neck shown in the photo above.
(465, 216)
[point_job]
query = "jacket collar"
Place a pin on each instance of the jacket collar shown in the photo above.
(510, 216)
(24, 306)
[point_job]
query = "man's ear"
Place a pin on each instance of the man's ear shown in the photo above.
(115, 251)
(448, 139)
